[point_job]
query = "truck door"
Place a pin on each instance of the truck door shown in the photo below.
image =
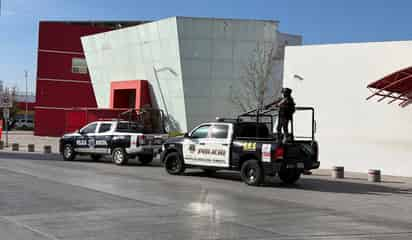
(219, 144)
(103, 137)
(85, 142)
(192, 144)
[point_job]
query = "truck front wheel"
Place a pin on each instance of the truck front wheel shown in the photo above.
(119, 156)
(289, 175)
(174, 164)
(252, 173)
(68, 153)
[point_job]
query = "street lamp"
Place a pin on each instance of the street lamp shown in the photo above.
(26, 73)
(160, 88)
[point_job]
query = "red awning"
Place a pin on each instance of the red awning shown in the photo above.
(396, 86)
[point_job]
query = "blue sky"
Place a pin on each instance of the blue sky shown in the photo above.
(318, 21)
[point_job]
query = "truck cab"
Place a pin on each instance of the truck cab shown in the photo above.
(118, 138)
(245, 144)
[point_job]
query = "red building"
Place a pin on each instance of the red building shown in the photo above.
(63, 81)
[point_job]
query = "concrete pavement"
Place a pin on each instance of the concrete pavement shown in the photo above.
(52, 199)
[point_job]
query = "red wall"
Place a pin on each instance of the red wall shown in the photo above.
(59, 42)
(49, 122)
(77, 118)
(22, 106)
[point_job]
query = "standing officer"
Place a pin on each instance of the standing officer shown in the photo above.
(286, 106)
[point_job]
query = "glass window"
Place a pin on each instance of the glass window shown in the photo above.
(89, 129)
(105, 127)
(79, 65)
(132, 127)
(201, 132)
(220, 131)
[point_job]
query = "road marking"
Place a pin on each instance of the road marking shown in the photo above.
(20, 224)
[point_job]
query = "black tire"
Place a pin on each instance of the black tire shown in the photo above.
(68, 153)
(209, 171)
(96, 157)
(289, 175)
(119, 156)
(145, 159)
(252, 173)
(174, 164)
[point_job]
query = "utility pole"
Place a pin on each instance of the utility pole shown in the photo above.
(26, 73)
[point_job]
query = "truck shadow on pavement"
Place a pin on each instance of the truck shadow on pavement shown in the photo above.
(316, 184)
(311, 183)
(25, 156)
(350, 187)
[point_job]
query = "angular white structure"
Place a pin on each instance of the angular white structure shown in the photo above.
(190, 63)
(353, 132)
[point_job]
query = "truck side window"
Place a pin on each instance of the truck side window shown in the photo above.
(220, 131)
(201, 132)
(105, 127)
(89, 129)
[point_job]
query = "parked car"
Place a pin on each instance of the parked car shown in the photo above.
(120, 139)
(24, 124)
(244, 144)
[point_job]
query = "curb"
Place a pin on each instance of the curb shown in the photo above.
(30, 155)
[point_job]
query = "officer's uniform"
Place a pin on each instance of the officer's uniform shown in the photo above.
(286, 110)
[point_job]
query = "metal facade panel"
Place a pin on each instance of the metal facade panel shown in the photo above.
(213, 54)
(56, 85)
(64, 94)
(152, 54)
(190, 63)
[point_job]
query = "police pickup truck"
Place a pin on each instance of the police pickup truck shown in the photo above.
(120, 139)
(244, 144)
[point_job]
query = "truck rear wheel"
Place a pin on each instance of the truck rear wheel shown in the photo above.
(289, 175)
(119, 156)
(252, 173)
(174, 164)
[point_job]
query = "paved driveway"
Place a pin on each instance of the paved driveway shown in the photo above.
(53, 199)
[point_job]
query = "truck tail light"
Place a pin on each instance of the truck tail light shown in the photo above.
(142, 140)
(279, 152)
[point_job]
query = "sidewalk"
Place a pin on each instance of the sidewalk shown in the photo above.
(24, 138)
(363, 177)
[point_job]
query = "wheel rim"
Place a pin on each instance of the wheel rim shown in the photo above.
(118, 156)
(68, 152)
(251, 174)
(172, 164)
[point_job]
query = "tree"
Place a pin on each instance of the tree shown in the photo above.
(259, 84)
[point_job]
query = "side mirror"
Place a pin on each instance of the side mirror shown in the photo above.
(186, 135)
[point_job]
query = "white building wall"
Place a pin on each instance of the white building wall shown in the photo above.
(353, 132)
(145, 52)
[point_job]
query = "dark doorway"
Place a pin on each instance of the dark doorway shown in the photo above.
(124, 98)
